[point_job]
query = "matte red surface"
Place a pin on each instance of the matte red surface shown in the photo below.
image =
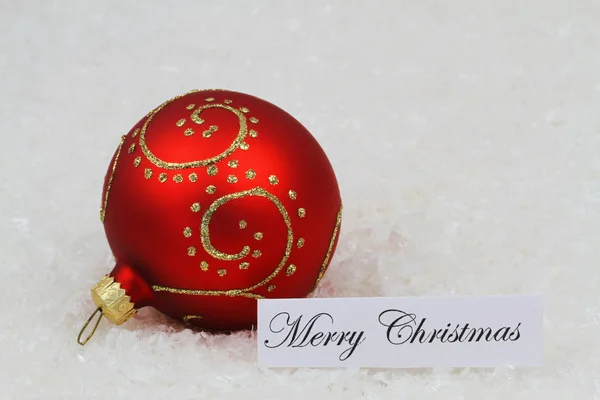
(145, 219)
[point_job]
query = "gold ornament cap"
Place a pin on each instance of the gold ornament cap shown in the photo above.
(112, 302)
(116, 306)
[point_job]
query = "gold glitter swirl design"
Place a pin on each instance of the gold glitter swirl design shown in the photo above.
(205, 228)
(211, 250)
(110, 179)
(338, 222)
(237, 142)
(194, 292)
(188, 318)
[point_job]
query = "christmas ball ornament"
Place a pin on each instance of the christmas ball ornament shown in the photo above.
(213, 200)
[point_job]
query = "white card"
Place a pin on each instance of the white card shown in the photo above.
(401, 332)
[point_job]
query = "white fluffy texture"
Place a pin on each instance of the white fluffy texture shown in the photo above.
(465, 137)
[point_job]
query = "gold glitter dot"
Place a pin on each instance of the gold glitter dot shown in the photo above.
(258, 235)
(178, 178)
(244, 109)
(300, 243)
(271, 288)
(243, 224)
(193, 177)
(211, 189)
(254, 120)
(204, 266)
(273, 180)
(232, 179)
(190, 106)
(227, 101)
(244, 146)
(188, 132)
(253, 133)
(187, 232)
(147, 173)
(131, 148)
(137, 161)
(292, 195)
(135, 133)
(256, 253)
(211, 129)
(250, 174)
(180, 122)
(222, 272)
(212, 170)
(195, 207)
(244, 265)
(191, 251)
(290, 270)
(162, 178)
(233, 163)
(301, 212)
(210, 99)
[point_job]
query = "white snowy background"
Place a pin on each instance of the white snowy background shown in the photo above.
(465, 136)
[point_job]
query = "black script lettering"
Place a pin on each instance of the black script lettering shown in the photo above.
(431, 335)
(420, 331)
(443, 338)
(399, 324)
(283, 319)
(308, 328)
(439, 334)
(298, 334)
(317, 339)
(462, 333)
(502, 334)
(330, 337)
(515, 333)
(406, 328)
(481, 331)
(293, 335)
(350, 336)
(451, 338)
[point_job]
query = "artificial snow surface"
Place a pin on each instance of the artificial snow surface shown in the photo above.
(466, 140)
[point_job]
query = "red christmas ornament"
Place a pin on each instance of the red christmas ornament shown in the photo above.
(213, 200)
